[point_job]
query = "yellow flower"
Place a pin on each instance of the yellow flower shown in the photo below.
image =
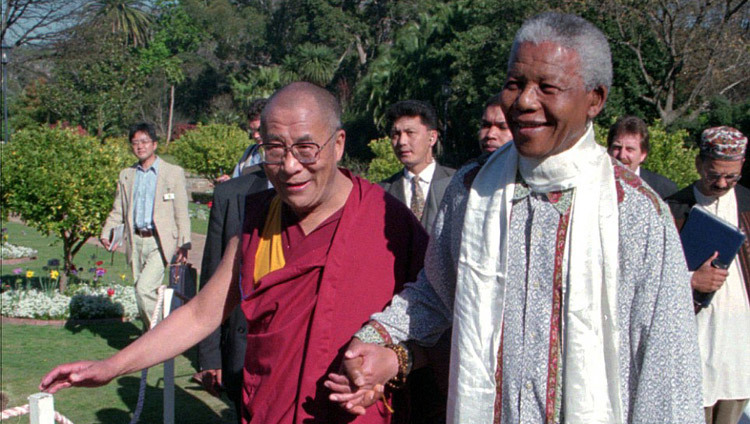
(54, 274)
(29, 274)
(122, 276)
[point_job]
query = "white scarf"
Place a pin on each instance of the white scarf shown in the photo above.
(591, 380)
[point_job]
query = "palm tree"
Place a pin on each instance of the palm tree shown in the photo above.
(128, 17)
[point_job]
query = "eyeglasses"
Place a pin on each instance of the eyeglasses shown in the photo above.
(306, 152)
(139, 142)
(729, 178)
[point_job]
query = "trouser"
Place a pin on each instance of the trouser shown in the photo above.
(148, 274)
(725, 411)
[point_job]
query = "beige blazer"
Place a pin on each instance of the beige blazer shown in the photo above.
(171, 217)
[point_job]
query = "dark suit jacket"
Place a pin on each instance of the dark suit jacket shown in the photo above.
(394, 185)
(225, 348)
(681, 202)
(662, 185)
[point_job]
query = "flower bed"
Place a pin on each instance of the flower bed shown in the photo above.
(86, 302)
(11, 251)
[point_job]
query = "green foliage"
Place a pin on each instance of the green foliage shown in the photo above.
(125, 17)
(312, 63)
(385, 162)
(671, 155)
(96, 84)
(258, 83)
(210, 150)
(61, 183)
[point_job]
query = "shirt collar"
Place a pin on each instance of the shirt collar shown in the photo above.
(425, 175)
(154, 167)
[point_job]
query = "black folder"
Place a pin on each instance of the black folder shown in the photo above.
(703, 234)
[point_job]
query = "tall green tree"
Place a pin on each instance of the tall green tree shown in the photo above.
(128, 17)
(95, 83)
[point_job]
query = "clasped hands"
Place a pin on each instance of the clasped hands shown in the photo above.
(361, 381)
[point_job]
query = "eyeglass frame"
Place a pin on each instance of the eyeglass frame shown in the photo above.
(729, 178)
(134, 143)
(262, 150)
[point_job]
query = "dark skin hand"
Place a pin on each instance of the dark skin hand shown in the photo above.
(707, 278)
(365, 370)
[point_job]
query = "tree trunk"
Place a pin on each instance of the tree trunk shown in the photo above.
(171, 111)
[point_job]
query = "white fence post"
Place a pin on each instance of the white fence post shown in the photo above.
(168, 368)
(42, 408)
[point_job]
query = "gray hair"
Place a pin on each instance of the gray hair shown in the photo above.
(575, 33)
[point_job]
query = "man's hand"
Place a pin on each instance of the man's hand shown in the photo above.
(211, 381)
(221, 179)
(369, 367)
(78, 374)
(182, 255)
(707, 278)
(105, 243)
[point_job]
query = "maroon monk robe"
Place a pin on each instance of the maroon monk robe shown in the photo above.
(301, 317)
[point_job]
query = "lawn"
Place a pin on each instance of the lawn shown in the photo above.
(28, 352)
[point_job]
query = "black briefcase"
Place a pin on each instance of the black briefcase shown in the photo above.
(183, 279)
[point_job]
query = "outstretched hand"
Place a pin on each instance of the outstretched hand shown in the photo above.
(77, 374)
(368, 367)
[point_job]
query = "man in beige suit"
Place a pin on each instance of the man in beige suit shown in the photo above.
(151, 204)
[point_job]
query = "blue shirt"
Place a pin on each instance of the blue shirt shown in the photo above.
(144, 192)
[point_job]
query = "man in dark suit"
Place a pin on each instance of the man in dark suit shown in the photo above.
(628, 142)
(222, 354)
(421, 184)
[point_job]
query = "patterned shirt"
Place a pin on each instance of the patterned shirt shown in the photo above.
(659, 359)
(144, 191)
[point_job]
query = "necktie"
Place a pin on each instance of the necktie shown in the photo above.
(417, 198)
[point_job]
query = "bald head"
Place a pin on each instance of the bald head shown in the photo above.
(319, 99)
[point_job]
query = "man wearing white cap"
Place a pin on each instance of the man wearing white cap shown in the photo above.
(724, 325)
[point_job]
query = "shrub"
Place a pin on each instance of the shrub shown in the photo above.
(61, 182)
(385, 162)
(210, 150)
(671, 155)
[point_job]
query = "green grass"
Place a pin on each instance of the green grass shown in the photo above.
(50, 247)
(199, 226)
(29, 352)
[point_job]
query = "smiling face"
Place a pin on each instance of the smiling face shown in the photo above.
(627, 149)
(545, 101)
(412, 142)
(494, 131)
(309, 189)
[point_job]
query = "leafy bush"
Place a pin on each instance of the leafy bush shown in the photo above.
(61, 182)
(210, 150)
(385, 162)
(671, 155)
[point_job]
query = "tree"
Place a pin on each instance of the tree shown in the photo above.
(61, 182)
(683, 52)
(126, 17)
(95, 83)
(176, 33)
(36, 22)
